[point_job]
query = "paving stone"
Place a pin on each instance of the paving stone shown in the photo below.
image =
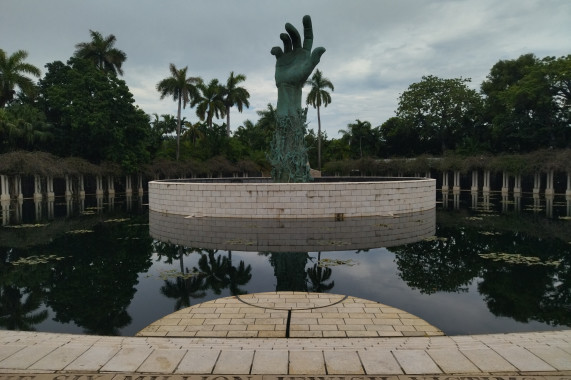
(416, 362)
(270, 362)
(234, 362)
(217, 321)
(242, 334)
(559, 359)
(342, 362)
(127, 359)
(211, 334)
(306, 362)
(27, 356)
(379, 362)
(522, 359)
(8, 349)
(452, 361)
(306, 334)
(198, 361)
(362, 334)
(162, 361)
(60, 357)
(488, 360)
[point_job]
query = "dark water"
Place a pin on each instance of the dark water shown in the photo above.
(479, 265)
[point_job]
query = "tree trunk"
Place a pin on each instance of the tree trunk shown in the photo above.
(178, 129)
(318, 140)
(228, 121)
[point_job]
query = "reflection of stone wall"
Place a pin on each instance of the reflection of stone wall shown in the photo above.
(292, 235)
(292, 200)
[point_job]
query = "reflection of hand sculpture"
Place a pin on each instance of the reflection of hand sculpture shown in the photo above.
(294, 64)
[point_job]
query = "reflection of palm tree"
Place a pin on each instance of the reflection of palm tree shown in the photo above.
(172, 252)
(15, 315)
(317, 276)
(183, 289)
(238, 276)
(214, 270)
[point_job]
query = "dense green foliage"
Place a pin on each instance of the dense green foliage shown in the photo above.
(81, 109)
(93, 115)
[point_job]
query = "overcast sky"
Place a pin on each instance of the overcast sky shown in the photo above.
(375, 48)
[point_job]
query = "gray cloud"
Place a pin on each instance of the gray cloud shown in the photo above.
(375, 48)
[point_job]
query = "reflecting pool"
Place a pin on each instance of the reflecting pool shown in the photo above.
(476, 264)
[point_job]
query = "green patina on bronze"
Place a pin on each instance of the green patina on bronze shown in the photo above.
(294, 64)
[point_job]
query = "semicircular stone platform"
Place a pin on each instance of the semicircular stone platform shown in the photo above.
(290, 315)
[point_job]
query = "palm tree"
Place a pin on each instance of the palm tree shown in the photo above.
(317, 97)
(267, 120)
(356, 133)
(13, 72)
(234, 96)
(193, 132)
(210, 103)
(183, 89)
(101, 52)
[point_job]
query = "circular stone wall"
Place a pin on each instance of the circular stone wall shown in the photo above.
(324, 198)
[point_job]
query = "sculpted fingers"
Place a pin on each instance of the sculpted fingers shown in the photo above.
(316, 55)
(294, 35)
(277, 51)
(287, 42)
(307, 33)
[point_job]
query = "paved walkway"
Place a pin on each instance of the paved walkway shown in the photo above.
(47, 356)
(290, 315)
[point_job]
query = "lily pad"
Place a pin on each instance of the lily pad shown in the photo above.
(79, 232)
(516, 258)
(326, 263)
(116, 220)
(435, 238)
(173, 274)
(37, 225)
(489, 233)
(34, 260)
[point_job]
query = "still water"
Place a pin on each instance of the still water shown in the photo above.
(473, 265)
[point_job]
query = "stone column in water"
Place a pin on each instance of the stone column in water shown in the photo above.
(4, 188)
(294, 64)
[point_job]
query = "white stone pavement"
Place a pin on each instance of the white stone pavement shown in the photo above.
(537, 354)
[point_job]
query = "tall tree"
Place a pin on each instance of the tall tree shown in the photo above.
(234, 96)
(528, 102)
(362, 139)
(183, 90)
(101, 51)
(94, 115)
(317, 97)
(267, 120)
(210, 102)
(441, 111)
(13, 73)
